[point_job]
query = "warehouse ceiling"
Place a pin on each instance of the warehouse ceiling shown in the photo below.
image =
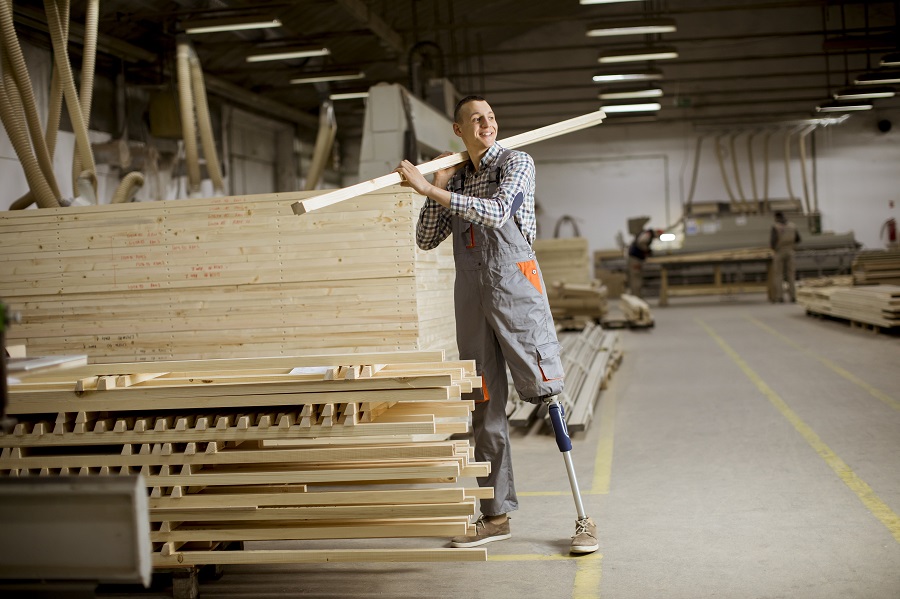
(737, 60)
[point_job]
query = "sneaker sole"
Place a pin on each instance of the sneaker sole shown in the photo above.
(480, 541)
(584, 549)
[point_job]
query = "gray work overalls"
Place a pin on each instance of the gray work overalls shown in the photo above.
(502, 317)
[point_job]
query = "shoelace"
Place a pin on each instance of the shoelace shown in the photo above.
(581, 527)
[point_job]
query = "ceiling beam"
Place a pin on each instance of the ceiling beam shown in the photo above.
(360, 11)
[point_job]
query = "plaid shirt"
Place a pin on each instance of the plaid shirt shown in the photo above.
(474, 205)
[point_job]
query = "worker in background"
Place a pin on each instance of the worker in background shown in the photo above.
(782, 240)
(638, 252)
(502, 315)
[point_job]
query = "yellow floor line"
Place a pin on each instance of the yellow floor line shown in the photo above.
(863, 491)
(603, 459)
(875, 392)
(587, 576)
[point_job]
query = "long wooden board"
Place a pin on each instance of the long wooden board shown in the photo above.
(516, 141)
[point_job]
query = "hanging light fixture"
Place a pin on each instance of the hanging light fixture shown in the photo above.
(628, 76)
(891, 60)
(620, 108)
(229, 24)
(633, 27)
(349, 96)
(864, 93)
(629, 94)
(878, 78)
(288, 53)
(637, 55)
(843, 106)
(323, 76)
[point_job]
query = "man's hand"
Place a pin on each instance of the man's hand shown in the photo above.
(411, 177)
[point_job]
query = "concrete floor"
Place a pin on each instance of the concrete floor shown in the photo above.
(756, 454)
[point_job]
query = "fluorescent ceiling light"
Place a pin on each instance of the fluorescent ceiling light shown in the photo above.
(616, 108)
(864, 93)
(325, 76)
(667, 237)
(286, 53)
(233, 24)
(605, 1)
(639, 27)
(838, 107)
(653, 92)
(627, 76)
(891, 60)
(878, 77)
(637, 54)
(349, 96)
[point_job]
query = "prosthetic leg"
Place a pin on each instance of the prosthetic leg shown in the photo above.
(585, 539)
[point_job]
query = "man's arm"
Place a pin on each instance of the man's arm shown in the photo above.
(434, 225)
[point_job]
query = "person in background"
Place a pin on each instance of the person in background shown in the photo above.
(638, 251)
(782, 240)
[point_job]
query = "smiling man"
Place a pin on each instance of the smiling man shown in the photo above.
(502, 315)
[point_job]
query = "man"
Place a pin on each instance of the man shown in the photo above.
(502, 313)
(637, 253)
(783, 239)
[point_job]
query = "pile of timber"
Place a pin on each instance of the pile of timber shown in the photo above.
(564, 260)
(876, 267)
(225, 277)
(875, 305)
(589, 359)
(636, 311)
(573, 306)
(261, 449)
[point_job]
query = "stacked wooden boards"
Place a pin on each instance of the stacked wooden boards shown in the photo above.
(636, 310)
(590, 358)
(876, 266)
(225, 277)
(564, 260)
(876, 305)
(287, 448)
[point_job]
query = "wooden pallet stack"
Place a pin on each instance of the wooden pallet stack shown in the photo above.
(876, 305)
(225, 277)
(876, 267)
(288, 448)
(590, 358)
(575, 298)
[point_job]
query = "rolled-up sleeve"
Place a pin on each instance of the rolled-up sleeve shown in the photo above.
(433, 226)
(517, 176)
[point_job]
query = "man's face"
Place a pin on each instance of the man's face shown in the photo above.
(477, 126)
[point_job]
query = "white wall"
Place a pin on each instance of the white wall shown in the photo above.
(605, 175)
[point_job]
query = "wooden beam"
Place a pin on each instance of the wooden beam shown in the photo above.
(516, 141)
(317, 556)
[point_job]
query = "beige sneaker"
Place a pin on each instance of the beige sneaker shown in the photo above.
(485, 532)
(585, 539)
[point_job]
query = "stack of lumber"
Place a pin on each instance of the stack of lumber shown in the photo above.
(877, 266)
(589, 360)
(564, 260)
(876, 305)
(225, 277)
(252, 449)
(574, 305)
(636, 310)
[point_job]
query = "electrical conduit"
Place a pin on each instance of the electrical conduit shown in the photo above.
(82, 142)
(186, 102)
(205, 125)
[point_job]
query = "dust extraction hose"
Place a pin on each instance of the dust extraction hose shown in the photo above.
(205, 125)
(186, 102)
(92, 20)
(130, 185)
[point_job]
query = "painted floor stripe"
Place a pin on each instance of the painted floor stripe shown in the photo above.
(863, 491)
(587, 575)
(873, 391)
(603, 459)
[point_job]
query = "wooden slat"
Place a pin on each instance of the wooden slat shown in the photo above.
(317, 556)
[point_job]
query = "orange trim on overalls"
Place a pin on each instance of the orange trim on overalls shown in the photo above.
(472, 236)
(484, 391)
(529, 269)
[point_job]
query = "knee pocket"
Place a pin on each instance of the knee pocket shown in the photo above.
(549, 361)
